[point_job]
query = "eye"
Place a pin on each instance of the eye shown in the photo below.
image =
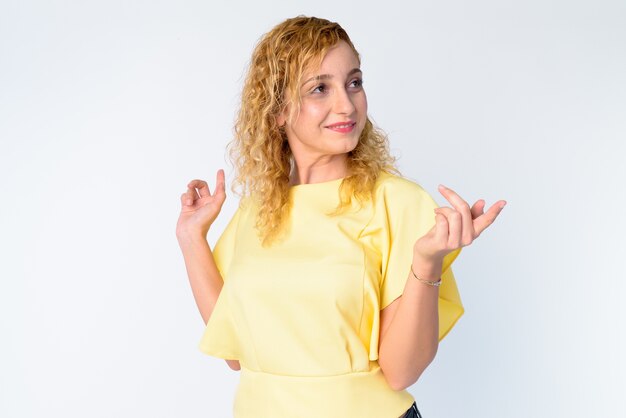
(357, 82)
(321, 88)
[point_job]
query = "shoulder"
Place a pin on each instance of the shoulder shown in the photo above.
(395, 190)
(248, 205)
(389, 180)
(242, 212)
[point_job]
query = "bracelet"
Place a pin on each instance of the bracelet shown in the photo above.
(437, 283)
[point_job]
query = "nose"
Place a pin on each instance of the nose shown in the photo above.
(343, 102)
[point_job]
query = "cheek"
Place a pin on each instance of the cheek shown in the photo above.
(314, 114)
(363, 104)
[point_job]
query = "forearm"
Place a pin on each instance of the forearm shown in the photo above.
(204, 277)
(411, 341)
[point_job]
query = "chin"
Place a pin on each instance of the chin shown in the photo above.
(348, 149)
(354, 142)
(344, 145)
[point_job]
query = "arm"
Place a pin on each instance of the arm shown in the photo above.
(204, 277)
(410, 340)
(410, 328)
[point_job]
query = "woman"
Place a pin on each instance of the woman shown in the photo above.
(331, 285)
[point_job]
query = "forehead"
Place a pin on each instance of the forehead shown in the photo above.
(340, 57)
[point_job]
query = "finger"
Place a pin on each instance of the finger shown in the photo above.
(192, 195)
(441, 229)
(482, 222)
(185, 199)
(455, 226)
(477, 208)
(467, 233)
(201, 186)
(220, 185)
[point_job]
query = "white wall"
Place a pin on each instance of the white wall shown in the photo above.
(108, 109)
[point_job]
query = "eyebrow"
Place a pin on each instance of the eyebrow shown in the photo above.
(327, 76)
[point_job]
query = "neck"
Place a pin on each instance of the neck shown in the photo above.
(320, 171)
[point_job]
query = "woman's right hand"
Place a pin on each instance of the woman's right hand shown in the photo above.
(199, 207)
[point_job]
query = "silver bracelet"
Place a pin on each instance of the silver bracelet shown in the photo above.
(437, 283)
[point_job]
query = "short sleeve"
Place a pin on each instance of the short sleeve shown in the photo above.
(409, 215)
(220, 337)
(225, 245)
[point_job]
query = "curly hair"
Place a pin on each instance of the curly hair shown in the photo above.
(259, 150)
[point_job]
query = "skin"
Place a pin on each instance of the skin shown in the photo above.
(320, 153)
(409, 325)
(200, 207)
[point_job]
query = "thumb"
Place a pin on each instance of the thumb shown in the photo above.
(441, 231)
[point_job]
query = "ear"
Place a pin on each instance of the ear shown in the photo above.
(280, 119)
(283, 115)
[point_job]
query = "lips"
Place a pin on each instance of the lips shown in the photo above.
(342, 127)
(347, 124)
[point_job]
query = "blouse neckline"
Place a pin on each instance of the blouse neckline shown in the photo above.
(308, 186)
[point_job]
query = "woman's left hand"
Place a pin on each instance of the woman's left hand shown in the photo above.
(455, 228)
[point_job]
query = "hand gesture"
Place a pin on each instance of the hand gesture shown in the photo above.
(455, 228)
(200, 207)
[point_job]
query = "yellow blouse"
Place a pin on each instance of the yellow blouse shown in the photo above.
(302, 316)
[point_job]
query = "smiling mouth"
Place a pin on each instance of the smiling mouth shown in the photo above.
(347, 127)
(341, 125)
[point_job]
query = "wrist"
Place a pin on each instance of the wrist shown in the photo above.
(190, 236)
(427, 269)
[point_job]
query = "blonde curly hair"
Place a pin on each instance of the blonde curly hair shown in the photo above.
(259, 150)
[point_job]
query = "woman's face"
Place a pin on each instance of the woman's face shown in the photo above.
(333, 109)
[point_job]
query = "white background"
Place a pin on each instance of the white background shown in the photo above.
(108, 109)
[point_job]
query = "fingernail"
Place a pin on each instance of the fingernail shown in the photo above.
(442, 186)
